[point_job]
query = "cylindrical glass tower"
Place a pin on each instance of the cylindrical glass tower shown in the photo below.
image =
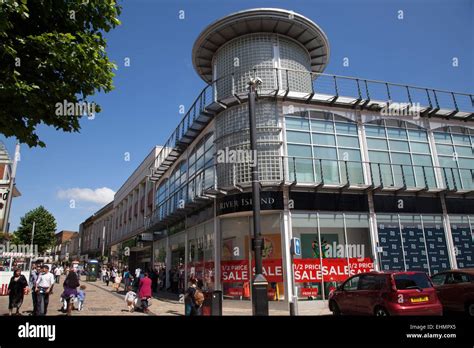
(280, 47)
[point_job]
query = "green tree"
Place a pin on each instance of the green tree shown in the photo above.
(52, 51)
(45, 226)
(4, 237)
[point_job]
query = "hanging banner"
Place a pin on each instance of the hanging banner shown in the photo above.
(306, 270)
(333, 270)
(238, 271)
(235, 271)
(272, 270)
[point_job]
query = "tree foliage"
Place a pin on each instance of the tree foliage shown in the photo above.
(51, 51)
(4, 237)
(45, 226)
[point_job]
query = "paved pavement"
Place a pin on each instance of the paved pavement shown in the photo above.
(103, 300)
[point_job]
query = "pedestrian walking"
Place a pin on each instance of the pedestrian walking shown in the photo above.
(16, 291)
(194, 299)
(34, 273)
(127, 278)
(117, 281)
(57, 274)
(163, 279)
(44, 288)
(107, 277)
(144, 292)
(81, 297)
(70, 285)
(131, 299)
(113, 274)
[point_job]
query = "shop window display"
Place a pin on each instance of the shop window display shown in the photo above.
(412, 243)
(236, 259)
(334, 246)
(462, 230)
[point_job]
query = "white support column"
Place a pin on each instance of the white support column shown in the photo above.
(217, 250)
(448, 235)
(186, 253)
(374, 236)
(287, 234)
(364, 152)
(168, 262)
(434, 156)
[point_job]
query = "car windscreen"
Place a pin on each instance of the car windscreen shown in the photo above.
(412, 281)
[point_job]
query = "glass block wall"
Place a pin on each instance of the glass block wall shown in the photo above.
(260, 54)
(232, 134)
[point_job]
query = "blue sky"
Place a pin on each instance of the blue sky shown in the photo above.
(142, 111)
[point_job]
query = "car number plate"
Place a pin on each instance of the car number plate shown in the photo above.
(419, 299)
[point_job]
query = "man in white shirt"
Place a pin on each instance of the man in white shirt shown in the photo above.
(57, 274)
(44, 287)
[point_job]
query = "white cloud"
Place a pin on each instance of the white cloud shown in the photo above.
(101, 195)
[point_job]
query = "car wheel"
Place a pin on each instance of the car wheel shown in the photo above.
(381, 312)
(334, 308)
(470, 309)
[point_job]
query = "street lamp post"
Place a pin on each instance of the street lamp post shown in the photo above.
(6, 219)
(259, 283)
(31, 246)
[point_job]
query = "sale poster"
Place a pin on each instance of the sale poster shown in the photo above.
(306, 270)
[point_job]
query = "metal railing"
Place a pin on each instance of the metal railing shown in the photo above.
(316, 172)
(315, 87)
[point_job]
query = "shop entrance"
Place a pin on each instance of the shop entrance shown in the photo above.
(176, 273)
(334, 247)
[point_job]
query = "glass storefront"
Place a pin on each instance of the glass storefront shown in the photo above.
(160, 253)
(236, 256)
(462, 231)
(178, 254)
(334, 246)
(200, 262)
(413, 242)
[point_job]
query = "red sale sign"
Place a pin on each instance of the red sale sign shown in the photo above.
(235, 271)
(309, 292)
(306, 270)
(272, 270)
(235, 292)
(330, 270)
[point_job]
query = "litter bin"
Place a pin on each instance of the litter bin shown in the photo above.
(207, 304)
(92, 270)
(216, 303)
(212, 303)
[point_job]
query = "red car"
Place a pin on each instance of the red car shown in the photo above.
(386, 293)
(455, 290)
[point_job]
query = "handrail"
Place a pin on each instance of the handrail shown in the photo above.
(202, 101)
(345, 177)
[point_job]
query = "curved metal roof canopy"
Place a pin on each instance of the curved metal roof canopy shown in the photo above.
(269, 20)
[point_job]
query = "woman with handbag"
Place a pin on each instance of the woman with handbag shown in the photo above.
(70, 285)
(17, 288)
(144, 292)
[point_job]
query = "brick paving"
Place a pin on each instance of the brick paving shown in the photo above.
(103, 300)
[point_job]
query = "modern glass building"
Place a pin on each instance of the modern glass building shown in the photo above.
(368, 174)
